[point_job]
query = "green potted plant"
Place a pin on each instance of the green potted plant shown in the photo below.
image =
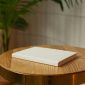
(11, 16)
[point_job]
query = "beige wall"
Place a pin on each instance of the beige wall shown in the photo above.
(49, 25)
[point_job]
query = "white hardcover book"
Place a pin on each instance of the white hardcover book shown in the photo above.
(43, 55)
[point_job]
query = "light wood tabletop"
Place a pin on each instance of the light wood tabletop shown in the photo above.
(25, 69)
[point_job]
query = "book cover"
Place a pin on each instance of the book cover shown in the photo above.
(44, 55)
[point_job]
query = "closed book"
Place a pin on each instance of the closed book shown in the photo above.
(44, 55)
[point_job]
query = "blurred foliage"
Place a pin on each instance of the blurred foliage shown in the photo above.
(12, 11)
(69, 3)
(11, 16)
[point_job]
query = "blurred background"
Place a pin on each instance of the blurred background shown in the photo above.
(48, 24)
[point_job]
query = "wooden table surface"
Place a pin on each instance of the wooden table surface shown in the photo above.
(28, 68)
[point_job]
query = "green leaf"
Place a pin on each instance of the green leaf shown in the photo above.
(60, 3)
(70, 2)
(26, 6)
(67, 3)
(20, 24)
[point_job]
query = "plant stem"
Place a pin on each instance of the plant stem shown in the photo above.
(5, 38)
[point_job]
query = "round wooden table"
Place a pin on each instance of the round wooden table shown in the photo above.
(26, 72)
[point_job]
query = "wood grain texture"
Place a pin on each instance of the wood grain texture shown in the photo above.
(31, 68)
(33, 73)
(4, 82)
